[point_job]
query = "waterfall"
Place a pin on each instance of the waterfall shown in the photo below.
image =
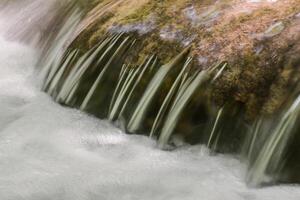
(164, 100)
(155, 99)
(153, 87)
(178, 136)
(271, 158)
(100, 83)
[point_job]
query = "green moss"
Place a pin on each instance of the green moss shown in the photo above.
(286, 82)
(88, 5)
(86, 39)
(142, 13)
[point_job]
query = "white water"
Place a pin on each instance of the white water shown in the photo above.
(48, 152)
(51, 152)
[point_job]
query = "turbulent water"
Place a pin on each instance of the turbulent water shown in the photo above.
(51, 152)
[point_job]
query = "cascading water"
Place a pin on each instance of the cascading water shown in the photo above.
(276, 148)
(51, 152)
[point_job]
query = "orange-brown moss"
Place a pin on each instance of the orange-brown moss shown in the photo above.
(258, 76)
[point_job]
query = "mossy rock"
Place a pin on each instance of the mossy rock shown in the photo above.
(255, 67)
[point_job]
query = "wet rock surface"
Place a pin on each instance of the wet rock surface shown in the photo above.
(253, 36)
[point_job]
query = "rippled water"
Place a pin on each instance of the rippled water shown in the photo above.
(48, 152)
